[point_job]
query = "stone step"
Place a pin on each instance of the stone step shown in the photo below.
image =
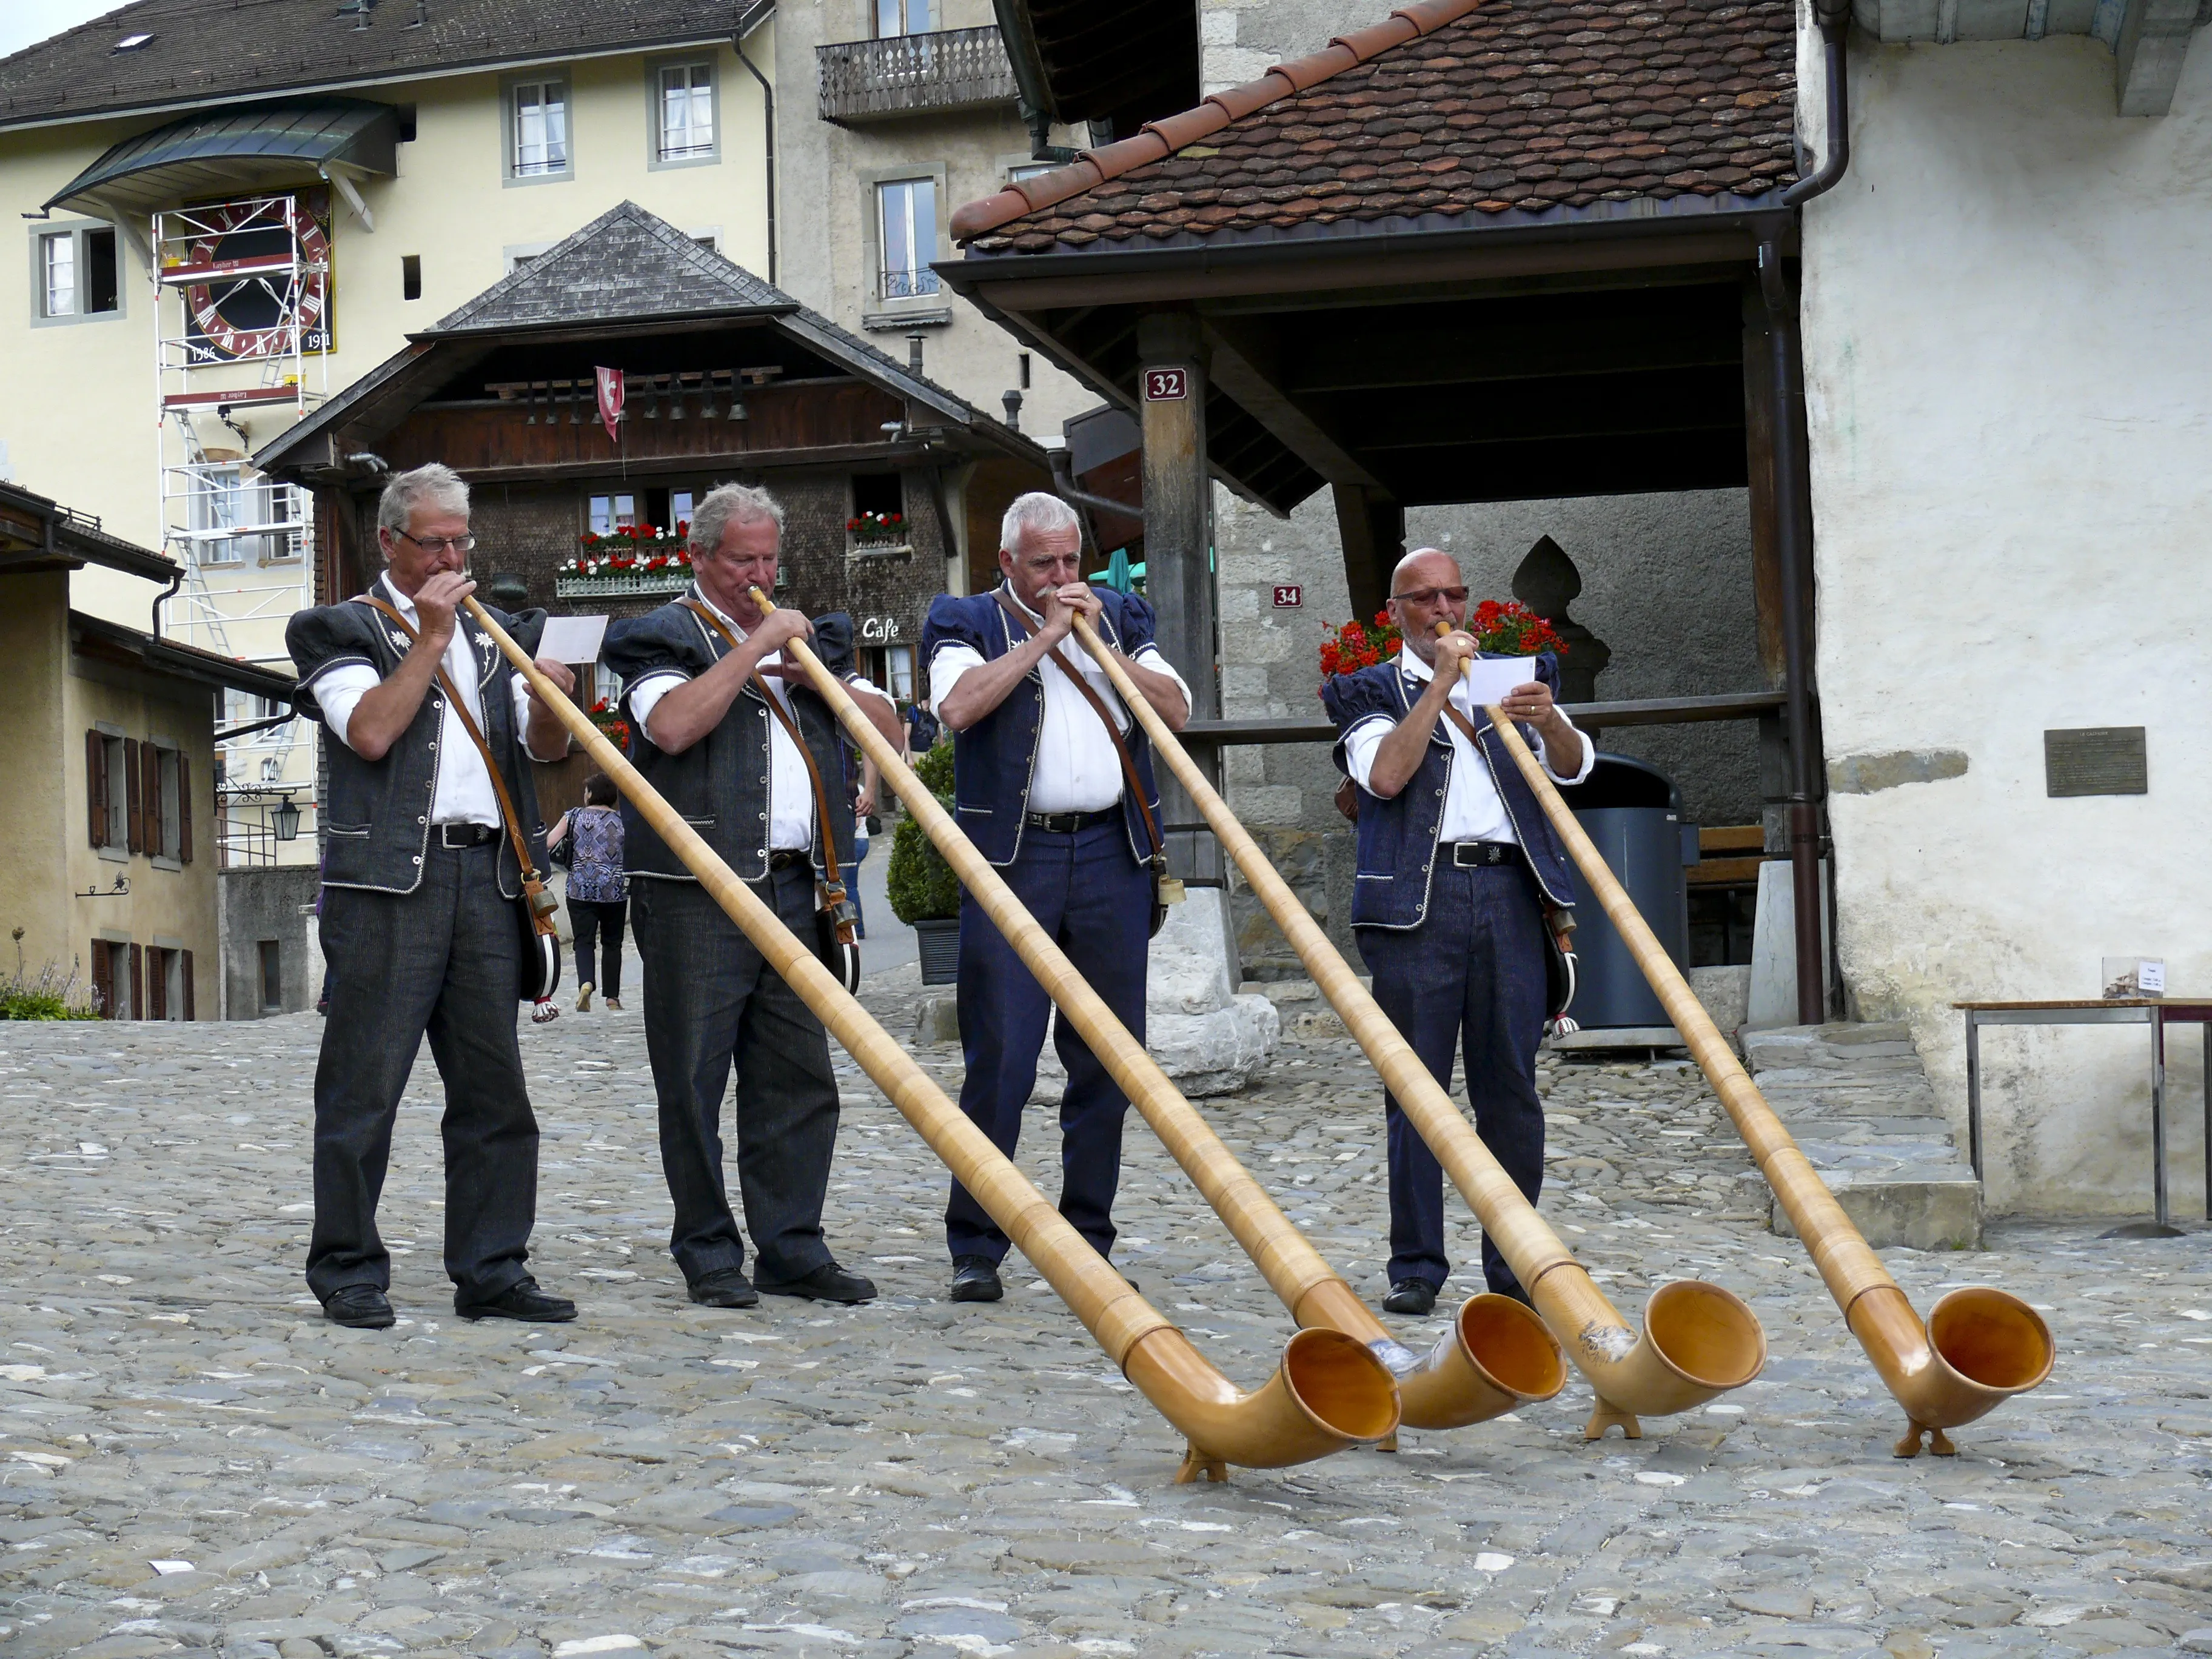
(1858, 1102)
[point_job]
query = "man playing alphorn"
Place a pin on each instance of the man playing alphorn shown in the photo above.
(420, 888)
(1041, 786)
(1455, 863)
(741, 746)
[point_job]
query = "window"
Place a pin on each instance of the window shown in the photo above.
(898, 672)
(907, 213)
(272, 978)
(684, 112)
(904, 17)
(263, 513)
(411, 276)
(75, 273)
(405, 113)
(612, 513)
(168, 832)
(1029, 170)
(169, 982)
(116, 967)
(112, 788)
(539, 149)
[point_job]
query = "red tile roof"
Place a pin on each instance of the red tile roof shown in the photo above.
(1452, 108)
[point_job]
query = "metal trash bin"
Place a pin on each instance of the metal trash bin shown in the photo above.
(1632, 811)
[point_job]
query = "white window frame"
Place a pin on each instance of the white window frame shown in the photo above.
(902, 11)
(77, 232)
(922, 240)
(656, 134)
(514, 169)
(615, 517)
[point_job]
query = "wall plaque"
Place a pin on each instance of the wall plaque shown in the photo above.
(2095, 760)
(1289, 597)
(1166, 385)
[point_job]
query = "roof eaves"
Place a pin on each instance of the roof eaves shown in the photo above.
(1160, 139)
(188, 661)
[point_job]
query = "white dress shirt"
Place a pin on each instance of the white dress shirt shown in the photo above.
(1473, 808)
(1077, 769)
(790, 789)
(464, 794)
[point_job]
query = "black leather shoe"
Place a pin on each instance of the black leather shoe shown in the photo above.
(364, 1307)
(521, 1300)
(725, 1287)
(1416, 1296)
(827, 1283)
(975, 1278)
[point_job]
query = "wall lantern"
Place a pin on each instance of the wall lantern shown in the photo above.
(286, 818)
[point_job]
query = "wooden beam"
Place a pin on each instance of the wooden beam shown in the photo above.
(1371, 526)
(1520, 411)
(1758, 462)
(1376, 355)
(1249, 365)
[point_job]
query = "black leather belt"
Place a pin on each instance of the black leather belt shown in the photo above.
(1479, 854)
(467, 834)
(786, 859)
(1066, 824)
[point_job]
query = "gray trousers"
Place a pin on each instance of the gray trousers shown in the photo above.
(444, 961)
(712, 1004)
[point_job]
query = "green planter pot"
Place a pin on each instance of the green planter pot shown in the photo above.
(939, 939)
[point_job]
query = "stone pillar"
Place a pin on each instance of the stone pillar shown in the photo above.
(1547, 583)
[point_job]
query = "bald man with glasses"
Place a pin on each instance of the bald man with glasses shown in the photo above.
(1456, 862)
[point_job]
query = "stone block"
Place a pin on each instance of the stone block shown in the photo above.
(936, 1019)
(1772, 999)
(1725, 994)
(1923, 1215)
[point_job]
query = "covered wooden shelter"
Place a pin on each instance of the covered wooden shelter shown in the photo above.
(1518, 250)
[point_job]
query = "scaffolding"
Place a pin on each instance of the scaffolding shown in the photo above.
(243, 304)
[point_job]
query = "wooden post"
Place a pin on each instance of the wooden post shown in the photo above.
(1371, 526)
(1179, 573)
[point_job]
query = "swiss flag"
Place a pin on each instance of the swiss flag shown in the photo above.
(610, 399)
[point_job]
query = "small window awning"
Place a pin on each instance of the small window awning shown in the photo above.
(235, 151)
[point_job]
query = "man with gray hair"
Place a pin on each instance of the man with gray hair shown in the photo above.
(419, 917)
(1053, 781)
(737, 741)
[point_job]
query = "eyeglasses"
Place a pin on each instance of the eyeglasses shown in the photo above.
(441, 544)
(1430, 595)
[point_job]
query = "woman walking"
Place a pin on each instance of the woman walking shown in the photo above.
(599, 893)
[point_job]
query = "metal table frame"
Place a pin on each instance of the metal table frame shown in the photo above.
(2157, 1013)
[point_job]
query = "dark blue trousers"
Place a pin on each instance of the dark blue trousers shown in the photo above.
(1470, 978)
(1095, 902)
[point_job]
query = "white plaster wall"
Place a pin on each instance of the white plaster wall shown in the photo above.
(2009, 380)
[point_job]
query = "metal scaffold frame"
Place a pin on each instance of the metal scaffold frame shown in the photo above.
(242, 303)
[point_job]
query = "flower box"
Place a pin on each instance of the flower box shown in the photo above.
(860, 550)
(673, 579)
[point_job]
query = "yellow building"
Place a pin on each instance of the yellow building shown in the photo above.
(109, 812)
(230, 213)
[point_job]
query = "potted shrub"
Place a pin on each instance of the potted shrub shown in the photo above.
(924, 892)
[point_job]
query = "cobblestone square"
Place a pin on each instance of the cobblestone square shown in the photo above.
(192, 1461)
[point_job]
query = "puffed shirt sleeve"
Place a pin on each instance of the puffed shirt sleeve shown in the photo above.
(339, 691)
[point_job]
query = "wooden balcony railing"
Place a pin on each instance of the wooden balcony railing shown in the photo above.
(913, 74)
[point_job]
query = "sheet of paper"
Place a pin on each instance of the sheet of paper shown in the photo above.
(1491, 678)
(573, 638)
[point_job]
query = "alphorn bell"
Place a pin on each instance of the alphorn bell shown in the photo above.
(1328, 1393)
(1698, 1340)
(1496, 1356)
(1979, 1347)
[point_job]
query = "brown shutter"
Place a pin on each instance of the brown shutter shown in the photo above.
(137, 972)
(134, 810)
(188, 987)
(184, 833)
(149, 773)
(103, 978)
(157, 983)
(95, 784)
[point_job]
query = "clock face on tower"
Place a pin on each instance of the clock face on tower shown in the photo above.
(256, 287)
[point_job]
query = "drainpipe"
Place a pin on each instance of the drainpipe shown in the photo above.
(752, 19)
(166, 595)
(1835, 23)
(1792, 504)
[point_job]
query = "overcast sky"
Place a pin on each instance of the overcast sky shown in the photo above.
(25, 22)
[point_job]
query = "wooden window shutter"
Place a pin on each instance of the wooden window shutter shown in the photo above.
(137, 972)
(95, 784)
(157, 984)
(149, 773)
(134, 799)
(184, 841)
(188, 977)
(103, 976)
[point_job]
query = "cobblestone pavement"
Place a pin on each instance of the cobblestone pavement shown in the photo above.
(191, 1459)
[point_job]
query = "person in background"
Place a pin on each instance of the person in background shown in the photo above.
(598, 892)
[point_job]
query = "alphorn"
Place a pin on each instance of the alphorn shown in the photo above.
(1329, 1392)
(1980, 1345)
(1698, 1340)
(1495, 1356)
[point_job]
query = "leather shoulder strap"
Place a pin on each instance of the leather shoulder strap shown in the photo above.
(1098, 707)
(468, 722)
(790, 730)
